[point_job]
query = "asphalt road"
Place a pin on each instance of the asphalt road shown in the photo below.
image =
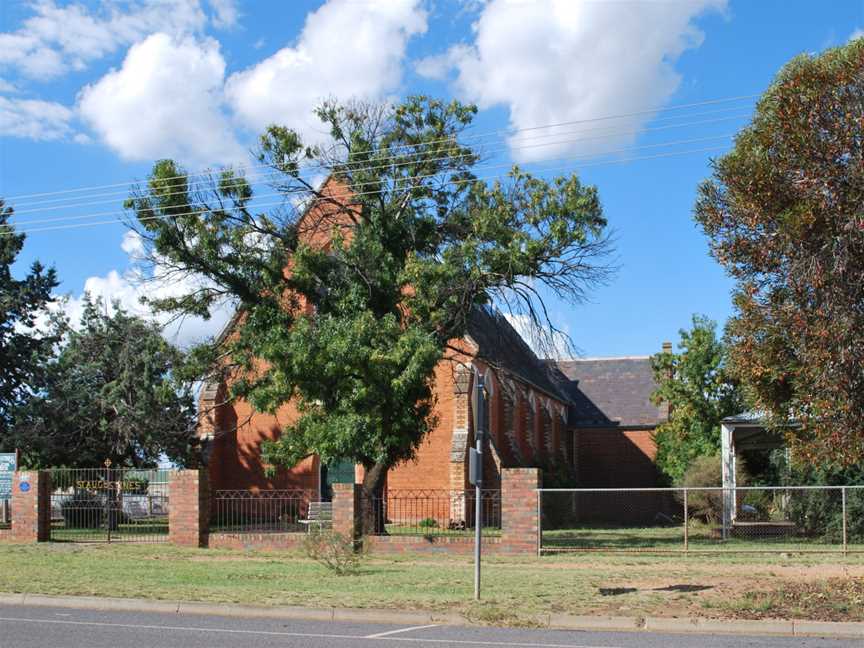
(44, 627)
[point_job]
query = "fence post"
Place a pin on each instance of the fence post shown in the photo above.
(188, 508)
(539, 523)
(347, 509)
(31, 506)
(686, 525)
(843, 497)
(520, 519)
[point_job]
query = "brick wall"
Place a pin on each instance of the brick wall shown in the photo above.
(346, 509)
(188, 508)
(250, 541)
(31, 509)
(520, 525)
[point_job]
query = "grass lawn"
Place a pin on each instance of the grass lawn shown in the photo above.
(671, 538)
(517, 590)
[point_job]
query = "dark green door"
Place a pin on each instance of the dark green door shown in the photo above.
(339, 472)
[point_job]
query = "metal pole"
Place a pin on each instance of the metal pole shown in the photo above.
(686, 519)
(539, 524)
(478, 519)
(843, 497)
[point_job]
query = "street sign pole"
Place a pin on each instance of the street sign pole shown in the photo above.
(477, 464)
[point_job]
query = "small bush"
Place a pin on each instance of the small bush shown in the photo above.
(333, 550)
(428, 523)
(706, 472)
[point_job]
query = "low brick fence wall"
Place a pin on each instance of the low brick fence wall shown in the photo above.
(429, 544)
(189, 518)
(249, 541)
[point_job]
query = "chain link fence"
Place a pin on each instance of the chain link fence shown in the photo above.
(800, 519)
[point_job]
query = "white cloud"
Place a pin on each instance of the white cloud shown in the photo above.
(164, 101)
(225, 13)
(346, 49)
(57, 39)
(128, 287)
(858, 33)
(554, 61)
(34, 119)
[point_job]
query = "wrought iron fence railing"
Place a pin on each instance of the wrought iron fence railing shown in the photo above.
(264, 511)
(436, 512)
(109, 504)
(744, 519)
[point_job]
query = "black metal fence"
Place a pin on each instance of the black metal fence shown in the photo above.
(265, 511)
(109, 505)
(795, 519)
(436, 512)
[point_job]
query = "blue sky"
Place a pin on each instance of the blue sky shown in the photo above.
(91, 93)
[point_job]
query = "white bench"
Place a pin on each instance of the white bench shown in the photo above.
(320, 514)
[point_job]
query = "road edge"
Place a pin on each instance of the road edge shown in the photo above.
(667, 625)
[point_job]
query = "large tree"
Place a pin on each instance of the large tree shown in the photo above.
(353, 332)
(24, 348)
(111, 394)
(784, 215)
(699, 392)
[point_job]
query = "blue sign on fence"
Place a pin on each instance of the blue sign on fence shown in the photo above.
(7, 470)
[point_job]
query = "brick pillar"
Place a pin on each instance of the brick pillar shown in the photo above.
(188, 508)
(346, 510)
(520, 525)
(31, 507)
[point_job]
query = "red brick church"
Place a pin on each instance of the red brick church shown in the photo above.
(590, 418)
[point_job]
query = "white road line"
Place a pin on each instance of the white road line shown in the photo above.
(400, 630)
(309, 635)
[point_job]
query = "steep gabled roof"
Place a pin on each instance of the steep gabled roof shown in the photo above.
(611, 392)
(501, 346)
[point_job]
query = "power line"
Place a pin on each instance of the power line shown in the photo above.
(378, 164)
(451, 182)
(432, 175)
(498, 131)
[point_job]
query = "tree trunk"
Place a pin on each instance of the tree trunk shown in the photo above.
(373, 511)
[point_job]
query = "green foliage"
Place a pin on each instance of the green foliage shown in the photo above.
(705, 472)
(109, 394)
(428, 523)
(700, 394)
(333, 550)
(783, 213)
(353, 333)
(23, 349)
(819, 513)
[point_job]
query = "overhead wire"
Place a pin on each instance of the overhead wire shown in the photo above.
(467, 137)
(378, 163)
(254, 205)
(29, 231)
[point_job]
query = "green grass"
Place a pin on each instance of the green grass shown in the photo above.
(517, 590)
(154, 529)
(671, 538)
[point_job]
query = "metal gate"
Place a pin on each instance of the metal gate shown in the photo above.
(109, 505)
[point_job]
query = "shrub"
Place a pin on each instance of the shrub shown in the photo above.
(333, 550)
(428, 523)
(83, 510)
(705, 472)
(819, 513)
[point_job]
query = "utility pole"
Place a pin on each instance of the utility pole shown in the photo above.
(475, 474)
